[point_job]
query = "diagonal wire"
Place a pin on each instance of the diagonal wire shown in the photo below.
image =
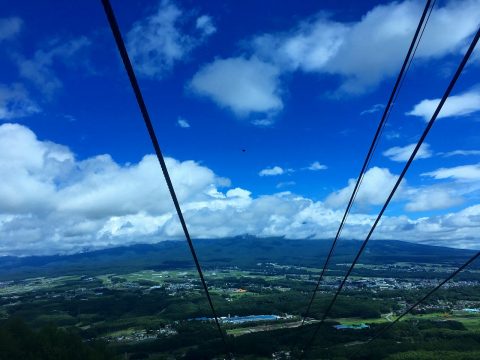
(381, 125)
(415, 51)
(402, 81)
(406, 312)
(146, 117)
(399, 180)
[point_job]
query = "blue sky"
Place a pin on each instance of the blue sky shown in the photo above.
(264, 112)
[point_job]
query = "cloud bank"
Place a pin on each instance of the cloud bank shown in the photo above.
(55, 203)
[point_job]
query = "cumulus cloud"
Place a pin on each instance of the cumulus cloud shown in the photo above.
(242, 85)
(160, 40)
(460, 173)
(10, 27)
(39, 69)
(309, 47)
(378, 183)
(15, 102)
(324, 45)
(273, 171)
(403, 153)
(183, 123)
(442, 229)
(457, 105)
(55, 198)
(432, 198)
(376, 186)
(315, 166)
(53, 202)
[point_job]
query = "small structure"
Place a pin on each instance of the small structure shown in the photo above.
(353, 326)
(240, 290)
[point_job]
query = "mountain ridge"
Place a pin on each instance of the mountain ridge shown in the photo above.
(244, 251)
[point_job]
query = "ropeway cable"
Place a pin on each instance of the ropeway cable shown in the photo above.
(398, 83)
(148, 123)
(399, 180)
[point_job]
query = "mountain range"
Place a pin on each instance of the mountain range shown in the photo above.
(244, 252)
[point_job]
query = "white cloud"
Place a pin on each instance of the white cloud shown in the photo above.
(378, 183)
(460, 173)
(183, 123)
(374, 109)
(15, 102)
(376, 186)
(457, 105)
(315, 166)
(432, 198)
(462, 188)
(403, 153)
(55, 203)
(251, 83)
(39, 69)
(264, 122)
(10, 27)
(28, 167)
(444, 33)
(324, 45)
(49, 196)
(460, 153)
(205, 24)
(243, 85)
(285, 184)
(273, 171)
(157, 42)
(309, 47)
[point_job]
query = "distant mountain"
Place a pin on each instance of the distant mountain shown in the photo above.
(244, 252)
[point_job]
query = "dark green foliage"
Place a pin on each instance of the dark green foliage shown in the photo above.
(435, 355)
(19, 342)
(424, 339)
